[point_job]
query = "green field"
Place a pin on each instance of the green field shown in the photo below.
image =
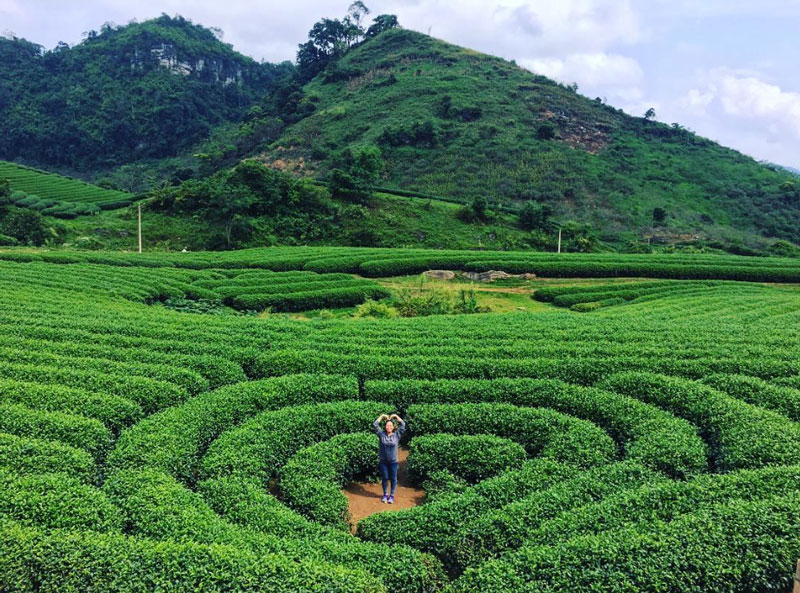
(648, 445)
(59, 194)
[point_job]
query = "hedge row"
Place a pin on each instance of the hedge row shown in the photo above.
(391, 262)
(75, 342)
(150, 394)
(313, 299)
(584, 371)
(154, 505)
(25, 455)
(55, 501)
(781, 399)
(184, 379)
(595, 305)
(644, 432)
(36, 561)
(470, 457)
(311, 481)
(653, 504)
(739, 435)
(261, 446)
(747, 546)
(541, 432)
(244, 502)
(112, 410)
(174, 440)
(434, 527)
(508, 527)
(76, 431)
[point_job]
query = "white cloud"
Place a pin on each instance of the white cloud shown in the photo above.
(595, 69)
(749, 101)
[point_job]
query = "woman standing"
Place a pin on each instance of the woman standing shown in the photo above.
(389, 440)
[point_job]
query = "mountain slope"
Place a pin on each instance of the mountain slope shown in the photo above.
(451, 121)
(145, 90)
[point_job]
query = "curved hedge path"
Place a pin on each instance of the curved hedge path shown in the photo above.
(647, 447)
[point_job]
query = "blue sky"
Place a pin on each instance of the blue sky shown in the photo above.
(727, 69)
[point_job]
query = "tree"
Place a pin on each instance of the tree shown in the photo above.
(479, 205)
(534, 215)
(361, 171)
(546, 131)
(381, 23)
(228, 205)
(5, 190)
(26, 226)
(650, 114)
(659, 216)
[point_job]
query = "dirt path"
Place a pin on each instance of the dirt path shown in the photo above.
(365, 498)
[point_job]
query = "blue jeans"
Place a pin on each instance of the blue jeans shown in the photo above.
(388, 472)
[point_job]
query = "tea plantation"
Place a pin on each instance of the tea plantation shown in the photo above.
(58, 196)
(648, 440)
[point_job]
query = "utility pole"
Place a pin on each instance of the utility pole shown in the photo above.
(559, 241)
(140, 228)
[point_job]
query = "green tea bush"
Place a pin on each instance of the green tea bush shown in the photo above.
(78, 561)
(507, 528)
(25, 455)
(646, 433)
(312, 480)
(55, 501)
(698, 548)
(435, 526)
(739, 435)
(471, 457)
(540, 431)
(76, 431)
(785, 400)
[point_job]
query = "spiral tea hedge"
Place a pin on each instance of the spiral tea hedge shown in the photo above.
(650, 445)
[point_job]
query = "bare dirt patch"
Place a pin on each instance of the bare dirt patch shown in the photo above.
(365, 498)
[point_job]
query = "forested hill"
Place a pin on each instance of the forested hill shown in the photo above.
(451, 121)
(144, 90)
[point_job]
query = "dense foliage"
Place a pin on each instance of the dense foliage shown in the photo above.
(452, 122)
(144, 90)
(206, 450)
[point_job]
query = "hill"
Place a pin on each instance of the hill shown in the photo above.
(454, 122)
(144, 90)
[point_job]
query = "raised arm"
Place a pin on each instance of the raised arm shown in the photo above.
(401, 428)
(377, 424)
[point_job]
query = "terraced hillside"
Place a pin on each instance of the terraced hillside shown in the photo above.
(646, 447)
(57, 195)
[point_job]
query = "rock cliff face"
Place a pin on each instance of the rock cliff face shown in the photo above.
(167, 56)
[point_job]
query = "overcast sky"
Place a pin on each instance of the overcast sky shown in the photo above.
(727, 69)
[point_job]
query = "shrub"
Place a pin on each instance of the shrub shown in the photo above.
(739, 435)
(312, 480)
(376, 310)
(507, 528)
(541, 432)
(55, 501)
(73, 562)
(697, 548)
(25, 455)
(471, 457)
(76, 431)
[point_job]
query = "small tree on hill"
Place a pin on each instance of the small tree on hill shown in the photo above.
(381, 23)
(534, 215)
(650, 114)
(5, 191)
(659, 216)
(479, 206)
(546, 131)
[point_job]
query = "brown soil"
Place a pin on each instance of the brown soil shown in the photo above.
(365, 498)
